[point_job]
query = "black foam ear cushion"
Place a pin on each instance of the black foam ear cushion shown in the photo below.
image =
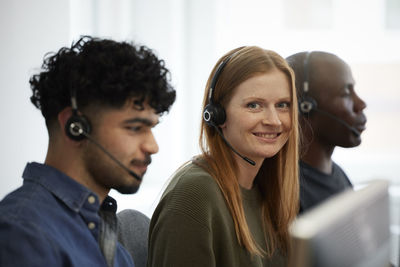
(307, 104)
(76, 126)
(214, 114)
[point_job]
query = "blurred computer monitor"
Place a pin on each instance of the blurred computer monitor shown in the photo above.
(349, 230)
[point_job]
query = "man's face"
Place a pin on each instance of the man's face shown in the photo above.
(335, 94)
(127, 135)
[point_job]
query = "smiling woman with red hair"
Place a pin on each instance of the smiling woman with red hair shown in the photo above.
(232, 205)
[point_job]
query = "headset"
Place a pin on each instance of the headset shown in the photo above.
(78, 127)
(214, 114)
(307, 103)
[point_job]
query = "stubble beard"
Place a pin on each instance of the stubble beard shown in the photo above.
(107, 173)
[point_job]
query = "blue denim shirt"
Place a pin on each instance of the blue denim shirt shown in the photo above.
(52, 220)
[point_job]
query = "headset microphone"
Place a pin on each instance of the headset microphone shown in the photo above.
(234, 150)
(352, 129)
(214, 113)
(78, 128)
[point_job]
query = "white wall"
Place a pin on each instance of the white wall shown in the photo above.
(28, 29)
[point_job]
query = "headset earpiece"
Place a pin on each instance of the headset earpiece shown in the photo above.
(76, 126)
(214, 114)
(307, 104)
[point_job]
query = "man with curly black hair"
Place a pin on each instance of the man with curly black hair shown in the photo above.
(100, 100)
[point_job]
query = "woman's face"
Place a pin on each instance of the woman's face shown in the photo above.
(258, 116)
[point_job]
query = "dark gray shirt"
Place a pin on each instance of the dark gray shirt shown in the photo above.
(316, 186)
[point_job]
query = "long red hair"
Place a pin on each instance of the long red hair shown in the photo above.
(278, 176)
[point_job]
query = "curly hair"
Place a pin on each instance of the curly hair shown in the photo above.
(101, 72)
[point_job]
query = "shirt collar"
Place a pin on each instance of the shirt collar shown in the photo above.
(72, 193)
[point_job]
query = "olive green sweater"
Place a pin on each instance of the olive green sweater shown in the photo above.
(192, 225)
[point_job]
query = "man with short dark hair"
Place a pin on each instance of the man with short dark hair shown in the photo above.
(100, 100)
(331, 114)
